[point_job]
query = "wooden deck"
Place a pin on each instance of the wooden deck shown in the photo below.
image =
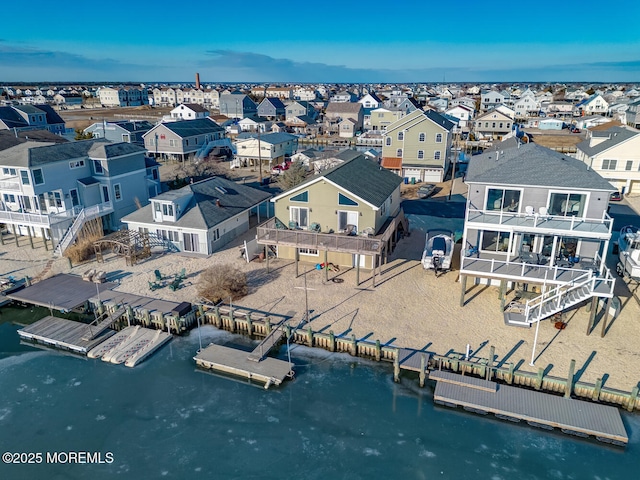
(235, 362)
(411, 359)
(61, 292)
(61, 333)
(542, 410)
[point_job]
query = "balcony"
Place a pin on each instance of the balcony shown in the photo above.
(10, 185)
(21, 218)
(541, 224)
(272, 232)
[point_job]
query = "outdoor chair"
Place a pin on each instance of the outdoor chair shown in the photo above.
(176, 284)
(154, 286)
(158, 275)
(182, 274)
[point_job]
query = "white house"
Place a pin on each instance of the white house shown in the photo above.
(189, 111)
(463, 113)
(595, 104)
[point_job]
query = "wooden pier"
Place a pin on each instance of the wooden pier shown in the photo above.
(574, 417)
(262, 350)
(269, 371)
(62, 333)
(94, 330)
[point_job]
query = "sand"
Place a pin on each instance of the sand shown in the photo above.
(408, 307)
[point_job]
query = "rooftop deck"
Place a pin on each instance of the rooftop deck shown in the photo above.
(535, 223)
(272, 232)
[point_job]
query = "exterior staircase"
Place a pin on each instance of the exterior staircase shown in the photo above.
(562, 297)
(84, 216)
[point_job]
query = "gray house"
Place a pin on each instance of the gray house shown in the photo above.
(182, 140)
(537, 218)
(29, 117)
(201, 217)
(51, 190)
(237, 105)
(271, 108)
(130, 131)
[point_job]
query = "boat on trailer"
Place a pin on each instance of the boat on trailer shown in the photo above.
(438, 252)
(629, 252)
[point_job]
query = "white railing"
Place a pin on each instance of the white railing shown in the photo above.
(557, 294)
(84, 215)
(8, 185)
(32, 219)
(536, 220)
(518, 269)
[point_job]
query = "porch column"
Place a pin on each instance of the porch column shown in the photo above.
(502, 293)
(44, 239)
(296, 256)
(374, 259)
(30, 236)
(357, 269)
(1, 237)
(463, 288)
(604, 256)
(605, 318)
(592, 314)
(326, 266)
(266, 251)
(15, 235)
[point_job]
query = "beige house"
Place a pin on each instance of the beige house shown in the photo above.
(270, 148)
(349, 215)
(337, 112)
(615, 155)
(419, 146)
(492, 125)
(382, 117)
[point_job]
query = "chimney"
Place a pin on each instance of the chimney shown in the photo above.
(197, 81)
(218, 204)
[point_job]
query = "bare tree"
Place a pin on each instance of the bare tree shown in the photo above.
(221, 282)
(295, 175)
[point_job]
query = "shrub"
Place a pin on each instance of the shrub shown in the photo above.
(222, 282)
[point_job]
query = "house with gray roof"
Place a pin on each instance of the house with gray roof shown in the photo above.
(349, 215)
(130, 131)
(182, 140)
(201, 217)
(272, 108)
(615, 154)
(237, 105)
(271, 148)
(50, 190)
(30, 117)
(337, 112)
(537, 217)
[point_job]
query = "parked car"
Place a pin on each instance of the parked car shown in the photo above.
(616, 197)
(574, 129)
(281, 167)
(426, 190)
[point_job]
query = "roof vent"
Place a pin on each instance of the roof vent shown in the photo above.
(222, 190)
(218, 204)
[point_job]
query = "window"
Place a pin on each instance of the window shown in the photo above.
(422, 137)
(24, 175)
(78, 163)
(215, 235)
(9, 171)
(493, 125)
(495, 241)
(38, 178)
(157, 206)
(9, 198)
(97, 166)
(388, 141)
(344, 200)
(346, 218)
(154, 174)
(308, 251)
(299, 216)
(629, 165)
(501, 199)
(167, 209)
(567, 204)
(500, 125)
(420, 154)
(117, 192)
(436, 155)
(172, 143)
(301, 197)
(75, 200)
(438, 138)
(399, 153)
(400, 136)
(609, 164)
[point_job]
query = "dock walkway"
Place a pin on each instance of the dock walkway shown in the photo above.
(61, 333)
(263, 348)
(94, 330)
(542, 410)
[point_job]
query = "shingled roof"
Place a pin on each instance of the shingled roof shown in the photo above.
(614, 135)
(533, 165)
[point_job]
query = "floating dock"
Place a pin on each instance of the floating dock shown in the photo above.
(130, 346)
(236, 362)
(62, 333)
(542, 410)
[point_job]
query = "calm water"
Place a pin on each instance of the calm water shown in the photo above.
(338, 419)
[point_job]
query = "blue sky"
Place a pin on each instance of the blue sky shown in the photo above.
(330, 41)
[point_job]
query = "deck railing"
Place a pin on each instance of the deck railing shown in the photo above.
(537, 221)
(31, 219)
(270, 234)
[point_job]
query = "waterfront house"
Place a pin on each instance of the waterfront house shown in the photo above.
(349, 215)
(237, 105)
(337, 112)
(299, 109)
(271, 148)
(463, 113)
(370, 100)
(633, 114)
(491, 99)
(51, 190)
(595, 104)
(492, 125)
(537, 217)
(381, 118)
(130, 131)
(201, 217)
(30, 117)
(419, 146)
(615, 154)
(183, 139)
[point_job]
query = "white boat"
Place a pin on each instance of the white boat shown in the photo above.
(438, 252)
(112, 343)
(629, 252)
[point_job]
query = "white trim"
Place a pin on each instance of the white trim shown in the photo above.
(316, 180)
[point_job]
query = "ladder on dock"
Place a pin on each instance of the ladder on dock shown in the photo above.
(263, 348)
(94, 330)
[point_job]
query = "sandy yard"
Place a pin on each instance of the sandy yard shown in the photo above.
(408, 307)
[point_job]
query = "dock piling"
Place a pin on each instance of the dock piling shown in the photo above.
(423, 370)
(396, 366)
(569, 388)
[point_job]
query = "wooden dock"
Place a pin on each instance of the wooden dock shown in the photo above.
(94, 330)
(412, 359)
(236, 362)
(542, 410)
(62, 333)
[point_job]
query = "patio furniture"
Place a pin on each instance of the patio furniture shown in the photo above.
(154, 286)
(176, 284)
(158, 275)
